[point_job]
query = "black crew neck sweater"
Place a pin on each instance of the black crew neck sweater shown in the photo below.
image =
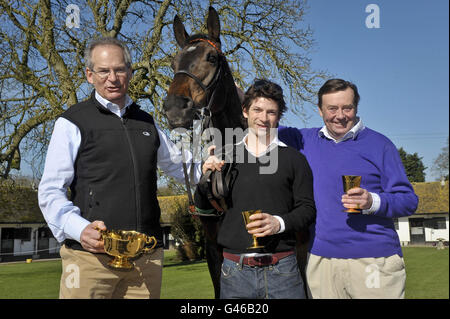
(278, 183)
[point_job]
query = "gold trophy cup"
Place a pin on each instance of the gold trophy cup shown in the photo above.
(349, 182)
(246, 215)
(125, 244)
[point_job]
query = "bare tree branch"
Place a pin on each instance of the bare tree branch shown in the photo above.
(42, 59)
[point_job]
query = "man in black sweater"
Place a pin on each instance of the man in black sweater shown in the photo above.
(269, 176)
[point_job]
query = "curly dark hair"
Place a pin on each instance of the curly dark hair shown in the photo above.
(267, 89)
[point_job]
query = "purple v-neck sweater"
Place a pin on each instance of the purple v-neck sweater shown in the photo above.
(337, 234)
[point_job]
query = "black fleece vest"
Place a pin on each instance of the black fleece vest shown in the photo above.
(115, 169)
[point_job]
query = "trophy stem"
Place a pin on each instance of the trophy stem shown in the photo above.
(246, 215)
(120, 262)
(353, 210)
(255, 244)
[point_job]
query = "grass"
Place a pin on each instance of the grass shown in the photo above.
(182, 280)
(40, 279)
(427, 277)
(35, 280)
(427, 271)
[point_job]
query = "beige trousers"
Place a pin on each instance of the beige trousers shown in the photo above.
(366, 278)
(86, 275)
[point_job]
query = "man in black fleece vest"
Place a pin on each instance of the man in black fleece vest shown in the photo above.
(107, 151)
(269, 176)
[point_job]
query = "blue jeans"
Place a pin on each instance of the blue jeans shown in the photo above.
(279, 281)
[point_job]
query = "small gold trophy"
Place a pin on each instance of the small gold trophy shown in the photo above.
(123, 244)
(247, 220)
(349, 182)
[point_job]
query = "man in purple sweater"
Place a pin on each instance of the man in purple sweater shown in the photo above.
(353, 255)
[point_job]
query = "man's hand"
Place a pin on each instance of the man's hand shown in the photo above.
(91, 239)
(212, 162)
(263, 224)
(358, 198)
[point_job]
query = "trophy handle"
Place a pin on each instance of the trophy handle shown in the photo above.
(148, 241)
(102, 232)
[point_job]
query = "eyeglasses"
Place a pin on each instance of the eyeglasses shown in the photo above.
(104, 73)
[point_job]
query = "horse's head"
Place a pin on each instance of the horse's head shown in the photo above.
(197, 68)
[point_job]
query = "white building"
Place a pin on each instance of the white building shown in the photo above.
(23, 231)
(429, 224)
(31, 240)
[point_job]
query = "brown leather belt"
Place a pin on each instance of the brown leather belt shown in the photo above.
(260, 261)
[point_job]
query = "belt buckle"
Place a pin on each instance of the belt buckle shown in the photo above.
(260, 261)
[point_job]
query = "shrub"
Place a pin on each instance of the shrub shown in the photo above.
(186, 229)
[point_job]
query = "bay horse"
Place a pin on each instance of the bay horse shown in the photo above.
(203, 84)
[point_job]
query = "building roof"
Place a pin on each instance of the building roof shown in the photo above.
(433, 197)
(19, 204)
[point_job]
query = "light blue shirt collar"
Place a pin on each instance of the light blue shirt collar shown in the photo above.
(354, 131)
(275, 142)
(112, 106)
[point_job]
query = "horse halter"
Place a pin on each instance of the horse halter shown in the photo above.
(212, 83)
(204, 115)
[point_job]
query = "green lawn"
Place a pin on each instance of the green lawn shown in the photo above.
(35, 280)
(427, 277)
(185, 280)
(426, 273)
(40, 279)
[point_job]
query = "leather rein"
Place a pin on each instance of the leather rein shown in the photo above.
(204, 115)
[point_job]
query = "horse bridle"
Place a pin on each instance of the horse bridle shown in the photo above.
(204, 113)
(212, 84)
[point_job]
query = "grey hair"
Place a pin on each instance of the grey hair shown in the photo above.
(106, 41)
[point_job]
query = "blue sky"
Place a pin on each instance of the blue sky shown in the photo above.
(401, 69)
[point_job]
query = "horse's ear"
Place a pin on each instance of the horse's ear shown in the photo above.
(213, 24)
(180, 32)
